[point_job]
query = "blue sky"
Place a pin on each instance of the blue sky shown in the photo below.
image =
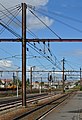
(58, 15)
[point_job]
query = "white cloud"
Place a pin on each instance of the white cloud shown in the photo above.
(9, 3)
(32, 21)
(35, 23)
(5, 63)
(37, 2)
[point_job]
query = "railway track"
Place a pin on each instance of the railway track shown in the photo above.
(41, 110)
(11, 104)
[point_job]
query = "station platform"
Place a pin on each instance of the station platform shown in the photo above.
(71, 109)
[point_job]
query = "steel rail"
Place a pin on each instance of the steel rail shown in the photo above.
(53, 107)
(19, 102)
(26, 114)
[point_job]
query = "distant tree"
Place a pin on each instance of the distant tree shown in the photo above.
(47, 85)
(15, 80)
(42, 83)
(0, 82)
(77, 83)
(27, 82)
(19, 83)
(36, 82)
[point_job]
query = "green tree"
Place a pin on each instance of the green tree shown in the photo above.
(27, 82)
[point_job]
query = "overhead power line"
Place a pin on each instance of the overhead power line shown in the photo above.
(45, 24)
(10, 30)
(10, 8)
(68, 25)
(42, 54)
(9, 12)
(5, 14)
(57, 14)
(10, 19)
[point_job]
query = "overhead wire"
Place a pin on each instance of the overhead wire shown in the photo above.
(42, 21)
(10, 8)
(6, 51)
(18, 21)
(73, 69)
(39, 60)
(10, 20)
(45, 24)
(70, 65)
(70, 18)
(55, 34)
(38, 51)
(10, 30)
(4, 13)
(47, 57)
(8, 26)
(52, 55)
(7, 9)
(5, 25)
(74, 64)
(57, 14)
(45, 54)
(68, 25)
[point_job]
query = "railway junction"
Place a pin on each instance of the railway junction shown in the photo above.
(47, 107)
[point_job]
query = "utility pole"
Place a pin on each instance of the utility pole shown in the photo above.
(13, 82)
(24, 40)
(31, 79)
(17, 82)
(80, 78)
(63, 75)
(41, 86)
(24, 6)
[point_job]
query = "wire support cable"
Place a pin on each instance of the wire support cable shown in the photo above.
(39, 52)
(28, 30)
(10, 20)
(70, 65)
(48, 58)
(10, 30)
(45, 24)
(10, 8)
(38, 60)
(7, 9)
(43, 52)
(5, 13)
(68, 25)
(40, 10)
(53, 56)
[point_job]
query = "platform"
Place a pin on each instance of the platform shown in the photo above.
(70, 110)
